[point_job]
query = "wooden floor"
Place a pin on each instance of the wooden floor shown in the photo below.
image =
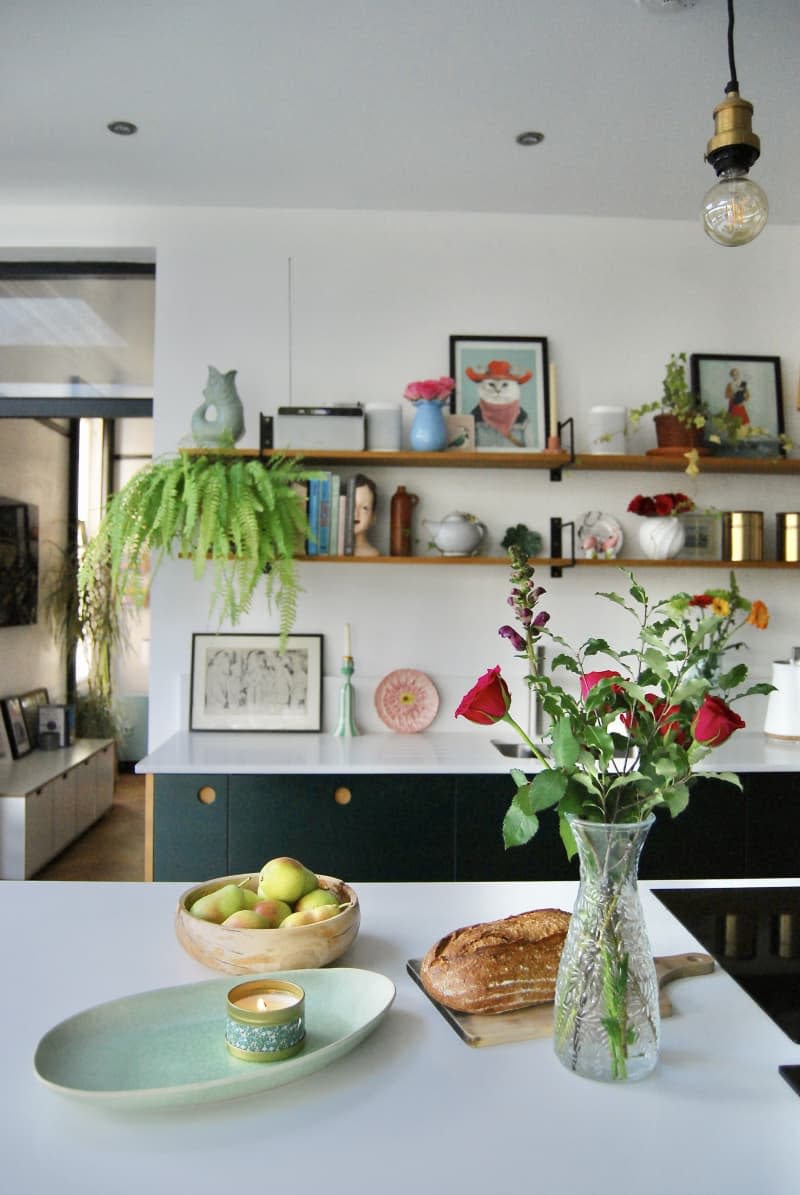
(111, 849)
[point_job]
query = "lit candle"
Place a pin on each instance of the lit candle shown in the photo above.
(266, 1020)
(268, 1001)
(553, 401)
(348, 646)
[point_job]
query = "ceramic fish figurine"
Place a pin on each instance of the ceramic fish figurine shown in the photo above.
(220, 419)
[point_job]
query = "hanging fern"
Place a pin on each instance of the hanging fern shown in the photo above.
(247, 520)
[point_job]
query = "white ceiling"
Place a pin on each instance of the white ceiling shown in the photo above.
(390, 104)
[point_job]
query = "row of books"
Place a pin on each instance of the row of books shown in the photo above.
(331, 513)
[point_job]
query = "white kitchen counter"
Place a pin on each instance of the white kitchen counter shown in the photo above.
(412, 1109)
(431, 752)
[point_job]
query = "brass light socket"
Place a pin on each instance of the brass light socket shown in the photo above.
(734, 143)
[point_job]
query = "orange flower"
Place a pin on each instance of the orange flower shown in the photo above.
(758, 616)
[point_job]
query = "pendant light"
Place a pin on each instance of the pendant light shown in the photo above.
(735, 209)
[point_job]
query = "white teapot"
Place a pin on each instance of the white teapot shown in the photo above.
(458, 534)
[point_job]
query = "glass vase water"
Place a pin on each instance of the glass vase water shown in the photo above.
(606, 1005)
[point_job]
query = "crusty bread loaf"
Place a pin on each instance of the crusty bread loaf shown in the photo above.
(497, 965)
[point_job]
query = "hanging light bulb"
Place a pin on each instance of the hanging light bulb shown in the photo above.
(735, 209)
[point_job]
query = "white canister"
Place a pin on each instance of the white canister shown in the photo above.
(607, 430)
(384, 427)
(783, 706)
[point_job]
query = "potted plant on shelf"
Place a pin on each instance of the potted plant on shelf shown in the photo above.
(679, 415)
(246, 517)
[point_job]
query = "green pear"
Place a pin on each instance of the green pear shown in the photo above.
(304, 917)
(273, 911)
(316, 898)
(285, 879)
(323, 912)
(251, 898)
(246, 919)
(217, 905)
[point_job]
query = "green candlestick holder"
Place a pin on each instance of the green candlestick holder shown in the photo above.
(346, 726)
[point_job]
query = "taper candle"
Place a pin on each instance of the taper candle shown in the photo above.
(553, 401)
(348, 646)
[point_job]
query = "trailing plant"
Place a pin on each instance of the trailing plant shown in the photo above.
(676, 398)
(244, 516)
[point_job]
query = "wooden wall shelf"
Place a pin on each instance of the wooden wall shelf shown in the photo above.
(584, 462)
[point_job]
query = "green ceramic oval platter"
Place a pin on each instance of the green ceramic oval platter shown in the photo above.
(167, 1047)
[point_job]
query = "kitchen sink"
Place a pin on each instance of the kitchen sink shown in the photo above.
(513, 750)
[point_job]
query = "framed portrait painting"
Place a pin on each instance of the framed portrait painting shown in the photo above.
(29, 704)
(502, 381)
(245, 682)
(16, 728)
(746, 392)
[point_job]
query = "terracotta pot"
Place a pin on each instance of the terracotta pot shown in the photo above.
(675, 436)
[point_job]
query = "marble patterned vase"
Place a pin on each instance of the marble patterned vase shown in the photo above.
(661, 537)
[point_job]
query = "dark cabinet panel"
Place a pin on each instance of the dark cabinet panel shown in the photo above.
(481, 803)
(706, 841)
(190, 828)
(367, 828)
(772, 813)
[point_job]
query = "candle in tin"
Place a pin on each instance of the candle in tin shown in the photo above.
(266, 1020)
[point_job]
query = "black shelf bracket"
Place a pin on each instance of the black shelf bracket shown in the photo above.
(565, 425)
(557, 527)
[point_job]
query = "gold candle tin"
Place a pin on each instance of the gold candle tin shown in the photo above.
(787, 535)
(266, 1020)
(743, 535)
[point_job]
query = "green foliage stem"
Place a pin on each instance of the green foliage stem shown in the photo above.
(246, 518)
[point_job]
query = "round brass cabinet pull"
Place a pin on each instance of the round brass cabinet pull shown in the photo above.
(206, 795)
(342, 796)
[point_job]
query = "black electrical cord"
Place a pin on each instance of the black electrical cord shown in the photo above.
(734, 83)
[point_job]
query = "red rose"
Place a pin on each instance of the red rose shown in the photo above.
(666, 720)
(487, 701)
(701, 600)
(590, 679)
(715, 722)
(664, 504)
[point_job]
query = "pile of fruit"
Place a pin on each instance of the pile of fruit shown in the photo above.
(288, 895)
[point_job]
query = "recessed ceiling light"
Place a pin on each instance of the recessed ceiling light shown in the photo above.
(530, 138)
(123, 128)
(666, 5)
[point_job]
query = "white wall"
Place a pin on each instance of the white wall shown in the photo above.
(375, 298)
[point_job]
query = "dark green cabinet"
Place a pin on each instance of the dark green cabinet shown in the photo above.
(481, 803)
(772, 823)
(190, 827)
(407, 827)
(367, 828)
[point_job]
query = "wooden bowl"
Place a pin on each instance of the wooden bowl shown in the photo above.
(244, 951)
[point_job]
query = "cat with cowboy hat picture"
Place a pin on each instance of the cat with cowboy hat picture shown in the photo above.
(500, 420)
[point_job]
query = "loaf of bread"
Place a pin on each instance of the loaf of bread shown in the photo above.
(498, 965)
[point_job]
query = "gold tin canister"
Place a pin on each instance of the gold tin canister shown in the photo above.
(271, 1033)
(787, 535)
(743, 535)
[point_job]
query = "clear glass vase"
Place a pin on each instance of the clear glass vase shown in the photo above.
(606, 1023)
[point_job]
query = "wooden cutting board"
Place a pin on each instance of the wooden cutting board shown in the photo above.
(494, 1029)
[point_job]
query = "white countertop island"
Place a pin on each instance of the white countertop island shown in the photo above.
(412, 1108)
(432, 752)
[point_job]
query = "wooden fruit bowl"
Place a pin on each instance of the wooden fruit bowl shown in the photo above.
(244, 951)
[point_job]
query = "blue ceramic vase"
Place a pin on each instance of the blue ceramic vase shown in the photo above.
(428, 431)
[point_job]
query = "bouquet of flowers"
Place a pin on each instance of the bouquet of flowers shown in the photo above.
(626, 744)
(629, 741)
(660, 505)
(432, 390)
(716, 615)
